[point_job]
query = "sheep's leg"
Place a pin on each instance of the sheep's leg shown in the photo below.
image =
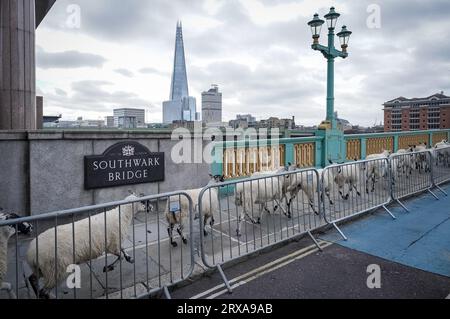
(240, 219)
(180, 232)
(128, 258)
(111, 267)
(205, 220)
(6, 286)
(262, 208)
(329, 197)
(311, 204)
(170, 231)
(34, 281)
(356, 189)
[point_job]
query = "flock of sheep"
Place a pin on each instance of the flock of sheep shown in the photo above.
(278, 188)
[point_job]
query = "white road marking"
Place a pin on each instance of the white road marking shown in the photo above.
(246, 281)
(266, 268)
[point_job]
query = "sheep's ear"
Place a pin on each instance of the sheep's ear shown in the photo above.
(289, 164)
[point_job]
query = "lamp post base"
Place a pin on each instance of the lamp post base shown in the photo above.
(334, 148)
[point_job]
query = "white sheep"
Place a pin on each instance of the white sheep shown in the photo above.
(6, 232)
(307, 182)
(441, 152)
(177, 208)
(348, 175)
(376, 168)
(261, 192)
(420, 159)
(403, 163)
(89, 241)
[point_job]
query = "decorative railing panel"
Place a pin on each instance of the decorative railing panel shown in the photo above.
(305, 155)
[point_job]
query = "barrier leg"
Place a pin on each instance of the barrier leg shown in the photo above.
(315, 241)
(167, 293)
(403, 206)
(224, 278)
(434, 195)
(340, 232)
(389, 212)
(441, 190)
(7, 287)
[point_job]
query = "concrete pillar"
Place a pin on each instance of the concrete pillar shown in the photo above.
(17, 65)
(39, 112)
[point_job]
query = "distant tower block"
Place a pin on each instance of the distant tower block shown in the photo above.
(18, 20)
(212, 105)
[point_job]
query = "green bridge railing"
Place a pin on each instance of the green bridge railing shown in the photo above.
(239, 159)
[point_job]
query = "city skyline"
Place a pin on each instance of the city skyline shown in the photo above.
(259, 54)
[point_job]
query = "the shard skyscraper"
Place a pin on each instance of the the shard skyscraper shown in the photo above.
(181, 106)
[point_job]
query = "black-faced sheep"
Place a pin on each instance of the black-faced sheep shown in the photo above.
(177, 209)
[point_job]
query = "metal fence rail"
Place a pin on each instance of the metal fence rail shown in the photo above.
(120, 250)
(252, 214)
(236, 219)
(441, 165)
(354, 188)
(411, 174)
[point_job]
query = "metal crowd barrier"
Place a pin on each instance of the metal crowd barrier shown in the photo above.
(412, 173)
(236, 218)
(67, 257)
(441, 166)
(252, 214)
(354, 188)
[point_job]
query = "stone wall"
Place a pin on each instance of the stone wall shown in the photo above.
(43, 171)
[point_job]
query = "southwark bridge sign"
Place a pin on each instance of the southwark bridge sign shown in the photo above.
(124, 163)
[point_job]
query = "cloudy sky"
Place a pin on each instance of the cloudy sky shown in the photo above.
(257, 51)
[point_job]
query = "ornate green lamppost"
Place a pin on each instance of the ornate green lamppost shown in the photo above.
(333, 146)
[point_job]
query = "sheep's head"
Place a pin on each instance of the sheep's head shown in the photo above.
(22, 227)
(145, 205)
(217, 178)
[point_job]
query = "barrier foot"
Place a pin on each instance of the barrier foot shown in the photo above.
(315, 241)
(434, 195)
(389, 212)
(441, 190)
(403, 206)
(340, 232)
(224, 278)
(167, 293)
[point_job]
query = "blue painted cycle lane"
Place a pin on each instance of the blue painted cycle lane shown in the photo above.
(419, 239)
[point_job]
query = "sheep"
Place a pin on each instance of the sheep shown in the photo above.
(375, 168)
(403, 164)
(420, 159)
(347, 175)
(177, 208)
(261, 192)
(441, 155)
(89, 243)
(6, 232)
(307, 182)
(285, 181)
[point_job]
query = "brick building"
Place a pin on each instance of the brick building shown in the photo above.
(416, 114)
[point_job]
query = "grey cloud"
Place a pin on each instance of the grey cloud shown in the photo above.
(125, 72)
(151, 70)
(278, 84)
(60, 92)
(67, 59)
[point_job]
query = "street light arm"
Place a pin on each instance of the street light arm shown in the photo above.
(323, 49)
(327, 53)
